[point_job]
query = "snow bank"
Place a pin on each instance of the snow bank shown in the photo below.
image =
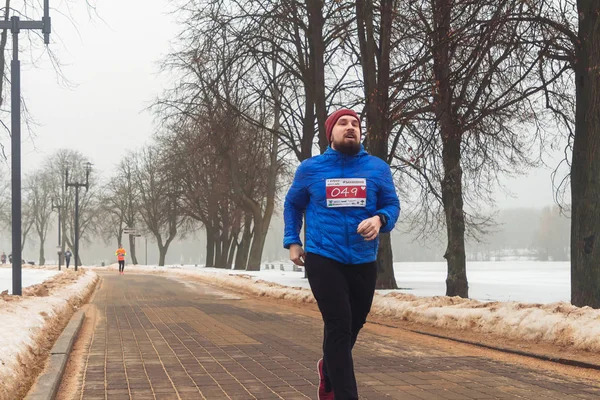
(27, 322)
(557, 323)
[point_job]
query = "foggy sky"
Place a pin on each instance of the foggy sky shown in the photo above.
(113, 62)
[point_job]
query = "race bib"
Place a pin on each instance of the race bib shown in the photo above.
(351, 192)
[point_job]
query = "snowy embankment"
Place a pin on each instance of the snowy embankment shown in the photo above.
(31, 322)
(557, 323)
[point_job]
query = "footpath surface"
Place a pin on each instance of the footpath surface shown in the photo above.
(158, 338)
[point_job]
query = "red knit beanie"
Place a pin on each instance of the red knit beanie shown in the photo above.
(332, 119)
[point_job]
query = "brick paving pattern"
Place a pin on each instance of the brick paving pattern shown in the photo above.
(158, 339)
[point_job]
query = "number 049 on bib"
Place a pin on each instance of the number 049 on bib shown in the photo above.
(351, 192)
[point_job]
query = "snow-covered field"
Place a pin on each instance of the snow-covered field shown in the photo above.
(523, 281)
(28, 277)
(26, 321)
(539, 317)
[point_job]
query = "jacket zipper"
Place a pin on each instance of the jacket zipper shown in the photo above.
(346, 219)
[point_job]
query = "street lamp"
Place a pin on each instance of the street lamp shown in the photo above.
(15, 25)
(77, 185)
(56, 206)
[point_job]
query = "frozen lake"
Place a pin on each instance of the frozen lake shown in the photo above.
(523, 281)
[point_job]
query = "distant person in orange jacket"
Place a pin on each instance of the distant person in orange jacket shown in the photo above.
(121, 258)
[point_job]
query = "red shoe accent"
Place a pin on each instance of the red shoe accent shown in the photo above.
(321, 393)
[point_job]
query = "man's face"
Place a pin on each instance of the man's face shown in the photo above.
(345, 135)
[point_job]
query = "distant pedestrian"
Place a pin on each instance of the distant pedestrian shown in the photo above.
(3, 258)
(10, 258)
(68, 255)
(121, 253)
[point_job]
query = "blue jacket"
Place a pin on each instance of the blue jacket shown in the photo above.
(330, 188)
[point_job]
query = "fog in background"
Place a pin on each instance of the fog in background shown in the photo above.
(110, 59)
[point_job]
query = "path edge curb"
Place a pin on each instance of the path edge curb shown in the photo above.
(47, 384)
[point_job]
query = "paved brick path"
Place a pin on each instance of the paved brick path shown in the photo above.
(161, 339)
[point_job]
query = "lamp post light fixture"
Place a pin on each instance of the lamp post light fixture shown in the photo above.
(56, 206)
(77, 185)
(15, 25)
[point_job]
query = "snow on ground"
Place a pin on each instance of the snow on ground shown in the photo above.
(557, 322)
(523, 281)
(25, 319)
(28, 277)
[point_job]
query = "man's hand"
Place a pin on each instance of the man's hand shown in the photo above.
(297, 254)
(369, 228)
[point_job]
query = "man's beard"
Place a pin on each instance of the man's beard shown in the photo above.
(350, 148)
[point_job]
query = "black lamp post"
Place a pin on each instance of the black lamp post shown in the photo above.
(77, 185)
(16, 25)
(56, 206)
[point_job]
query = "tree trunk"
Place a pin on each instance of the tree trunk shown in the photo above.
(218, 246)
(308, 130)
(42, 258)
(376, 72)
(132, 250)
(225, 246)
(218, 241)
(210, 248)
(456, 282)
(63, 243)
(241, 257)
(317, 66)
(162, 254)
(231, 254)
(386, 278)
(585, 168)
(262, 220)
(258, 243)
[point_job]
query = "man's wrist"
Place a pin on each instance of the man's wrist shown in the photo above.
(382, 218)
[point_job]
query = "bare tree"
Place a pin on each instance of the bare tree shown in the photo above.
(293, 34)
(110, 223)
(27, 213)
(159, 204)
(201, 178)
(374, 37)
(39, 190)
(89, 204)
(483, 115)
(234, 127)
(585, 168)
(121, 201)
(252, 152)
(570, 36)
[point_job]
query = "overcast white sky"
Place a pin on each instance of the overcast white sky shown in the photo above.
(113, 62)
